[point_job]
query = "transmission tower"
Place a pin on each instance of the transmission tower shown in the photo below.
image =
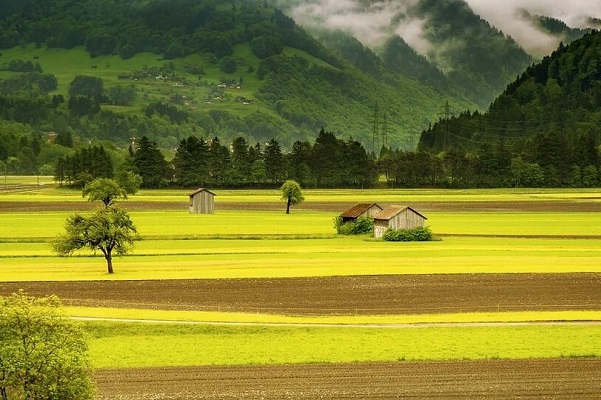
(384, 129)
(376, 129)
(446, 115)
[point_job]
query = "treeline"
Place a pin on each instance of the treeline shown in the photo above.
(329, 162)
(544, 160)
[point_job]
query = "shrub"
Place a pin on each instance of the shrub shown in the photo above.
(358, 227)
(419, 234)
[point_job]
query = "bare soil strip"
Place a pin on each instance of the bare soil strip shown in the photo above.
(492, 379)
(575, 205)
(352, 295)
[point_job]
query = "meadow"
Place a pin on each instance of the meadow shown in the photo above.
(238, 242)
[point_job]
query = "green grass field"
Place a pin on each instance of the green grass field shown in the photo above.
(210, 258)
(117, 345)
(255, 244)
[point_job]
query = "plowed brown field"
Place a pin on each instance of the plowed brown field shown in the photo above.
(494, 379)
(575, 205)
(388, 294)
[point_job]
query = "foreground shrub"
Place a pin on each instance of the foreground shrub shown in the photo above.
(358, 227)
(420, 234)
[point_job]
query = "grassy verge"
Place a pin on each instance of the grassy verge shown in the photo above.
(118, 345)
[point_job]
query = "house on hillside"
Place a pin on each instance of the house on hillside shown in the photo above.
(360, 210)
(397, 217)
(202, 201)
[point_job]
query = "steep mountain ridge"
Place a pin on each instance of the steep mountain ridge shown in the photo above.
(560, 94)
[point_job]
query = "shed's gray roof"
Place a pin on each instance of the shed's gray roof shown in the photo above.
(392, 211)
(201, 190)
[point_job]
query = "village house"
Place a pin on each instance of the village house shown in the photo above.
(202, 201)
(397, 217)
(360, 210)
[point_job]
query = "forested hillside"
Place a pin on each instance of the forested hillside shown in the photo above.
(111, 70)
(542, 131)
(454, 49)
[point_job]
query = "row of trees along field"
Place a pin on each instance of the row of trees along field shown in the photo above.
(329, 162)
(541, 161)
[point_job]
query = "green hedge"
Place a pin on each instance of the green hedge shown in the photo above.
(420, 234)
(358, 227)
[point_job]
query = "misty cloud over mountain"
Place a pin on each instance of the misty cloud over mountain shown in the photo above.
(372, 22)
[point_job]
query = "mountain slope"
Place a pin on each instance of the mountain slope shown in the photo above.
(561, 95)
(477, 60)
(210, 68)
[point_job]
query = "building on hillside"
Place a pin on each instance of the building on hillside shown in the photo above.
(360, 210)
(202, 201)
(397, 217)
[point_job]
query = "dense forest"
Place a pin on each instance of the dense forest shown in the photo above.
(543, 130)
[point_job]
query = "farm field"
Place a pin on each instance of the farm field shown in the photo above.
(512, 281)
(492, 379)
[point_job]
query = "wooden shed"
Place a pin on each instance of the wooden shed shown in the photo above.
(202, 201)
(360, 210)
(397, 217)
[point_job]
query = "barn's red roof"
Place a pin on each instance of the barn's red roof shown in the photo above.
(358, 209)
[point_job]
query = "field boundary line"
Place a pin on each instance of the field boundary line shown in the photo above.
(341, 325)
(482, 235)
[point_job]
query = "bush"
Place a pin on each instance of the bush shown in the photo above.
(358, 227)
(420, 234)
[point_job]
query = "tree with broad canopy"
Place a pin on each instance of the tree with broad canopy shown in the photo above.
(108, 230)
(43, 353)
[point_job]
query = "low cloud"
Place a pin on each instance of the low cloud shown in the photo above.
(507, 15)
(373, 22)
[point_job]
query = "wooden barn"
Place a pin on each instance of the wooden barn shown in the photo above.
(202, 201)
(360, 210)
(397, 217)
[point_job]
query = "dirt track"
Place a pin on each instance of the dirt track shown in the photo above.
(388, 294)
(495, 379)
(586, 205)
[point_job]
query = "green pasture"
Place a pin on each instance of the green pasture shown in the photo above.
(244, 244)
(301, 223)
(210, 258)
(116, 345)
(11, 180)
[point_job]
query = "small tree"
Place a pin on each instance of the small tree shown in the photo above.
(43, 354)
(291, 192)
(109, 229)
(108, 190)
(105, 190)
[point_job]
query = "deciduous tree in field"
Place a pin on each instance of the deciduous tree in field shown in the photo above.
(291, 192)
(43, 354)
(108, 230)
(108, 190)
